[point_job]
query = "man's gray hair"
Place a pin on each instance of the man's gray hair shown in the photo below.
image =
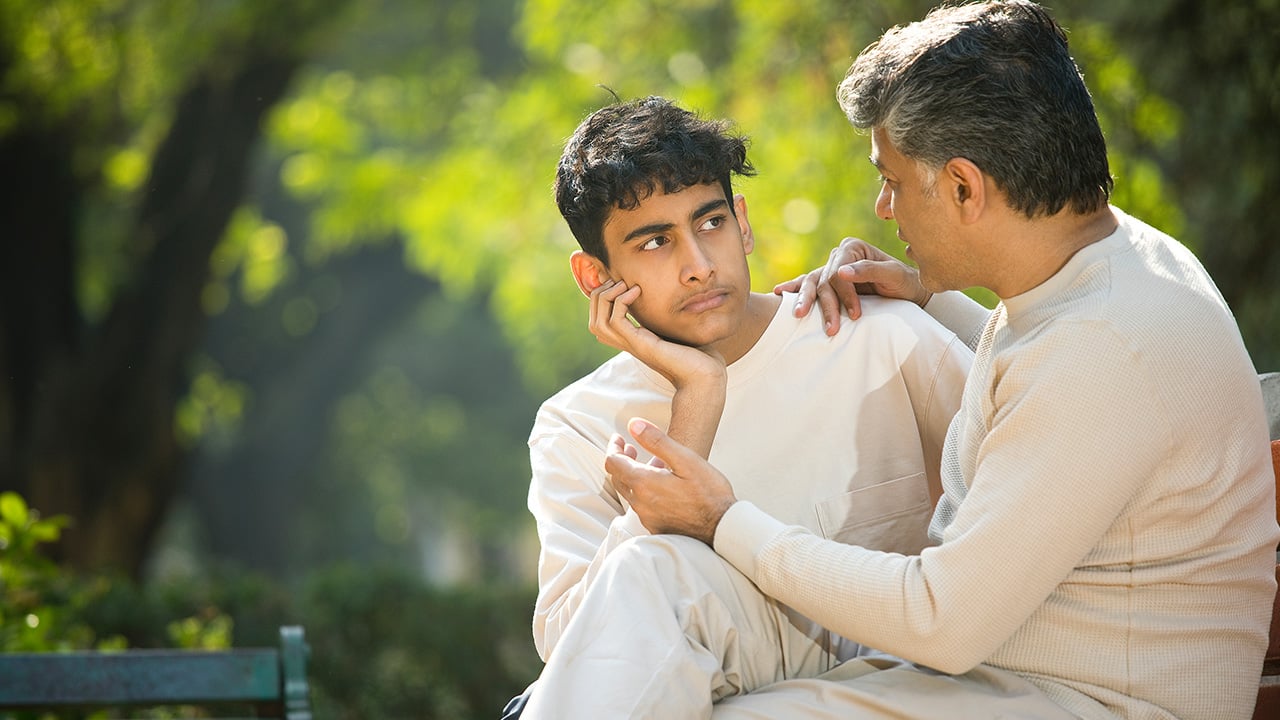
(992, 82)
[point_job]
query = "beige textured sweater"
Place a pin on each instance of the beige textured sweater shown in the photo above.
(1108, 525)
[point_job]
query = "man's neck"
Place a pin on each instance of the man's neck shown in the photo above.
(1037, 249)
(761, 307)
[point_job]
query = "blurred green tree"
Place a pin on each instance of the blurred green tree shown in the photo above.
(423, 137)
(125, 132)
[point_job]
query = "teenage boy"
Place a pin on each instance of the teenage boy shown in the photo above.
(840, 434)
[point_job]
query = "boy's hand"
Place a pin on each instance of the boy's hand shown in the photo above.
(699, 375)
(684, 366)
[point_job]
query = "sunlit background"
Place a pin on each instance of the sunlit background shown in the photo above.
(282, 285)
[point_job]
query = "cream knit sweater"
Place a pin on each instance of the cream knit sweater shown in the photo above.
(1108, 525)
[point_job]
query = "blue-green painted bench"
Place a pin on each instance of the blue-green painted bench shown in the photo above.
(264, 682)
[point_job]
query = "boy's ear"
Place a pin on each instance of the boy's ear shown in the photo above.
(588, 271)
(744, 225)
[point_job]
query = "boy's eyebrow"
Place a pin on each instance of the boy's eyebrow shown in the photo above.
(708, 207)
(654, 228)
(650, 229)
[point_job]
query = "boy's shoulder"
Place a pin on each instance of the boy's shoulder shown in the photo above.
(620, 382)
(880, 317)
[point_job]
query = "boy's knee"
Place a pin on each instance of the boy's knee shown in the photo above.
(676, 562)
(669, 550)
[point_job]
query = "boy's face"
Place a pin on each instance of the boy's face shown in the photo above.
(688, 253)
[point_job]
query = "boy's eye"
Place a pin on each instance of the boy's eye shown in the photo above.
(713, 222)
(654, 243)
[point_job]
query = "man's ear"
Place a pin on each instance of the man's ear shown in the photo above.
(966, 189)
(744, 225)
(588, 271)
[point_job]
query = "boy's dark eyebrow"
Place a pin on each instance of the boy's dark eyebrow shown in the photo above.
(650, 229)
(654, 228)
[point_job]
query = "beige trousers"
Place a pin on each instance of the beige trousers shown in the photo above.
(670, 630)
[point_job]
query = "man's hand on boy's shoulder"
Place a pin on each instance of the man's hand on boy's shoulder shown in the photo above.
(682, 365)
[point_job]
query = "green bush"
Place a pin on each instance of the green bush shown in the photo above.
(43, 608)
(384, 644)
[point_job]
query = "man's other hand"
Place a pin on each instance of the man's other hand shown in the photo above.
(678, 492)
(853, 267)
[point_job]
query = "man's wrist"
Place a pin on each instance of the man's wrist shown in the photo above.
(717, 514)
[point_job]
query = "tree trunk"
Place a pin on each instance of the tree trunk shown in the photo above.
(87, 418)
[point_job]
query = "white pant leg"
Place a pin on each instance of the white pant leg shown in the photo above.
(880, 687)
(666, 628)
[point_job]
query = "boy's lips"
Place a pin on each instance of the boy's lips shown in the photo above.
(704, 301)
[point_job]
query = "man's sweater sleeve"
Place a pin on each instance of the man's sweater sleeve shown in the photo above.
(960, 314)
(1052, 475)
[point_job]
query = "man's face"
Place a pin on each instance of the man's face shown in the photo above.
(688, 254)
(910, 198)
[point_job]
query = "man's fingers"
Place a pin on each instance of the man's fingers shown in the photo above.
(806, 293)
(829, 306)
(848, 296)
(889, 277)
(650, 437)
(792, 285)
(626, 472)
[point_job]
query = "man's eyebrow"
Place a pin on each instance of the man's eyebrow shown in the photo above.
(875, 161)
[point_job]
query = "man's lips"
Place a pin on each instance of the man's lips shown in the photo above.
(704, 301)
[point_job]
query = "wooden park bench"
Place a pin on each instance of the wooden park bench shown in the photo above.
(1268, 707)
(260, 682)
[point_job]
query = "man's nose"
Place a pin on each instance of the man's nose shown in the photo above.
(884, 203)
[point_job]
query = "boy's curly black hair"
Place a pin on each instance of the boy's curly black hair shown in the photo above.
(624, 152)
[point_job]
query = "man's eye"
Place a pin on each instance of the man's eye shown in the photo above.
(713, 222)
(654, 243)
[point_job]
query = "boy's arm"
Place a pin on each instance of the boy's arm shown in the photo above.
(580, 520)
(580, 517)
(698, 374)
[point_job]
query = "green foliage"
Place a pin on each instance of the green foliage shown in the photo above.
(43, 607)
(431, 446)
(385, 645)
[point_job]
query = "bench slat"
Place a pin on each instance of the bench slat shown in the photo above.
(139, 677)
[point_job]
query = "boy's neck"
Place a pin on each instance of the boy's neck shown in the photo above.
(761, 307)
